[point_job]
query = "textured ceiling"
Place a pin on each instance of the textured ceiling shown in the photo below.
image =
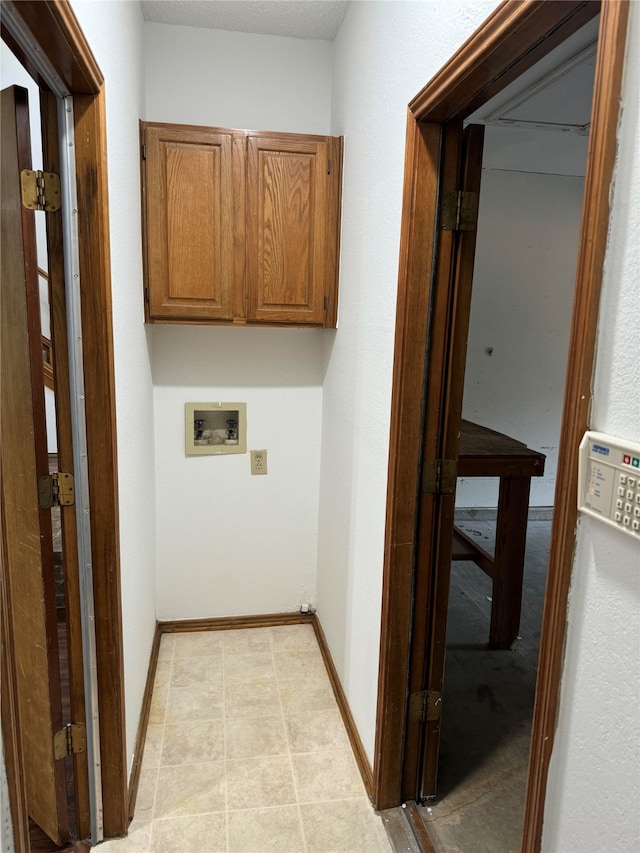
(303, 19)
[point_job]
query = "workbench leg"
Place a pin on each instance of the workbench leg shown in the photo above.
(511, 535)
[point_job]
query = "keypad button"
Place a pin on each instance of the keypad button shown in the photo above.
(636, 511)
(623, 478)
(631, 481)
(619, 503)
(621, 491)
(628, 508)
(630, 495)
(626, 521)
(618, 516)
(635, 524)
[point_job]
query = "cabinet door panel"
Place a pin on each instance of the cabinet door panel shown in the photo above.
(190, 223)
(287, 187)
(193, 185)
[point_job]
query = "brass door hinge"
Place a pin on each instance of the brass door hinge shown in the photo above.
(40, 190)
(72, 738)
(425, 706)
(459, 211)
(56, 489)
(439, 476)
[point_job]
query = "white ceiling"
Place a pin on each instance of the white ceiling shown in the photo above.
(555, 92)
(302, 19)
(540, 122)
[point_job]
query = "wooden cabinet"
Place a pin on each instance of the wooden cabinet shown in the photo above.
(240, 227)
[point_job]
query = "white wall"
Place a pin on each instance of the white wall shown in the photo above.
(227, 79)
(229, 543)
(521, 307)
(384, 54)
(114, 31)
(594, 783)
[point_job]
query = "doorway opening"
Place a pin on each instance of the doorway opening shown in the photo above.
(534, 159)
(34, 586)
(431, 339)
(47, 42)
(53, 791)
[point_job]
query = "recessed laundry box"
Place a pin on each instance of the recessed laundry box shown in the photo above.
(215, 428)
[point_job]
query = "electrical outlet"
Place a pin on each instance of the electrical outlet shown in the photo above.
(258, 461)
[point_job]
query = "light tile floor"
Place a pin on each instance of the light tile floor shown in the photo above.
(246, 752)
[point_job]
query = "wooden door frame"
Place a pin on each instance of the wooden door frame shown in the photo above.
(30, 582)
(510, 41)
(54, 28)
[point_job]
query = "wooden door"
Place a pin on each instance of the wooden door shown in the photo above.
(289, 238)
(461, 166)
(192, 195)
(27, 546)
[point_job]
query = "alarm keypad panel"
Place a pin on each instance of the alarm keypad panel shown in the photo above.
(609, 481)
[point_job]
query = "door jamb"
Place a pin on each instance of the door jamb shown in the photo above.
(511, 40)
(54, 27)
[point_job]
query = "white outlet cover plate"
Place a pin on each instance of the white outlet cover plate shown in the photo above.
(258, 461)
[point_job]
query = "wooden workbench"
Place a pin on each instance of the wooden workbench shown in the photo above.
(486, 453)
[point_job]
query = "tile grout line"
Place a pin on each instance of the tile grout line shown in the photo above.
(164, 723)
(224, 729)
(344, 749)
(248, 651)
(355, 798)
(155, 820)
(207, 683)
(289, 754)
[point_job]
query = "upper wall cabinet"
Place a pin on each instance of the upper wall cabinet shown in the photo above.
(240, 227)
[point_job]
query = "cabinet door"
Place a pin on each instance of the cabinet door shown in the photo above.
(193, 204)
(291, 229)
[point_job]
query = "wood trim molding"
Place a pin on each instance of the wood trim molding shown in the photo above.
(62, 42)
(442, 166)
(58, 309)
(418, 230)
(143, 723)
(345, 711)
(493, 56)
(97, 325)
(224, 623)
(461, 167)
(577, 403)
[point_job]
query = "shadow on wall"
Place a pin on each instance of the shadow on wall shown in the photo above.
(227, 357)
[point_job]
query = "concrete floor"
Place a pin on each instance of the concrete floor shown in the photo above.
(488, 703)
